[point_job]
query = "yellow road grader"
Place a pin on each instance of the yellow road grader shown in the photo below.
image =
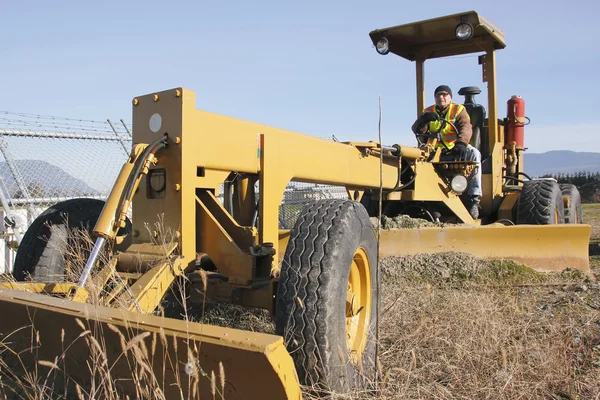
(319, 279)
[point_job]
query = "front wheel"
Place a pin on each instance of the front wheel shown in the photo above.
(47, 245)
(59, 240)
(327, 296)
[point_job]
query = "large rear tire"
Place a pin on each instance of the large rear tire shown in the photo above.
(48, 245)
(540, 203)
(572, 203)
(326, 306)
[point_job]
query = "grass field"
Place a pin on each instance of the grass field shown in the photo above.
(591, 215)
(504, 332)
(519, 336)
(457, 327)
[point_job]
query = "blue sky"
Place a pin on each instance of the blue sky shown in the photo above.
(304, 66)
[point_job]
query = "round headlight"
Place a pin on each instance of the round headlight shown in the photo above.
(464, 31)
(383, 46)
(459, 183)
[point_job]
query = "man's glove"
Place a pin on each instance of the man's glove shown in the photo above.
(421, 122)
(459, 151)
(429, 116)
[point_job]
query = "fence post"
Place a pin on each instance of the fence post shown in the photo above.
(126, 127)
(18, 178)
(127, 151)
(11, 218)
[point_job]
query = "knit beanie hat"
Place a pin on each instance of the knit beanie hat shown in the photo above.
(443, 88)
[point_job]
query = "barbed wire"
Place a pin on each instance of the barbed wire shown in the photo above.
(48, 123)
(52, 117)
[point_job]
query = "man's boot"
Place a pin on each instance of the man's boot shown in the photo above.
(473, 206)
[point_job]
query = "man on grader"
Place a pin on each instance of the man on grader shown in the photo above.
(319, 280)
(454, 138)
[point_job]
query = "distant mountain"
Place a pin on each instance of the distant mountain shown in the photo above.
(42, 179)
(561, 161)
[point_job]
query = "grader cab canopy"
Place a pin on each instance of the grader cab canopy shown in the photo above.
(451, 35)
(318, 279)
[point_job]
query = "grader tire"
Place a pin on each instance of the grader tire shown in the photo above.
(572, 203)
(327, 296)
(540, 203)
(41, 254)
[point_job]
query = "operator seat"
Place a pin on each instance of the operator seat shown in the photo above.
(477, 114)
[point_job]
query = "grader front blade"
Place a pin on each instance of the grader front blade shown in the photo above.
(143, 356)
(543, 248)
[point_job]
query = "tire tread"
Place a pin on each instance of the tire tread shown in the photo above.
(305, 312)
(538, 201)
(40, 251)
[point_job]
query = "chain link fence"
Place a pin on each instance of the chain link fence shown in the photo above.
(298, 194)
(47, 159)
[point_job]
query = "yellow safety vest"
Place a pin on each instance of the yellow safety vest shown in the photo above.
(449, 134)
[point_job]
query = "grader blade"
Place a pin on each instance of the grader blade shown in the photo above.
(542, 248)
(143, 352)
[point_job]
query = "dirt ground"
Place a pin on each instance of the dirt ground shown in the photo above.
(453, 326)
(457, 327)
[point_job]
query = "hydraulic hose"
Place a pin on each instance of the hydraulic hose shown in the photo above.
(525, 175)
(151, 149)
(407, 184)
(128, 190)
(512, 178)
(396, 150)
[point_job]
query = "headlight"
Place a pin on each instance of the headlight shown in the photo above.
(459, 183)
(383, 46)
(464, 31)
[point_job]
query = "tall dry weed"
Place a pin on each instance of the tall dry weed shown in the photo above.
(142, 365)
(451, 328)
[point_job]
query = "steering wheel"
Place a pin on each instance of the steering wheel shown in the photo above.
(431, 135)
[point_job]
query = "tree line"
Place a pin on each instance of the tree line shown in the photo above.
(587, 182)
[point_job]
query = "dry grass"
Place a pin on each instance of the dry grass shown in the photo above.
(452, 327)
(485, 331)
(591, 215)
(96, 361)
(456, 327)
(446, 340)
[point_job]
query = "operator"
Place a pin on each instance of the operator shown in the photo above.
(457, 147)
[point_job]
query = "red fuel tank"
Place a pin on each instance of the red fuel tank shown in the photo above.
(515, 124)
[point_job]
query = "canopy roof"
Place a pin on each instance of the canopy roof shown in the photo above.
(434, 38)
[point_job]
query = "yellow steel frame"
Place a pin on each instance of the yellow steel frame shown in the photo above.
(205, 149)
(177, 219)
